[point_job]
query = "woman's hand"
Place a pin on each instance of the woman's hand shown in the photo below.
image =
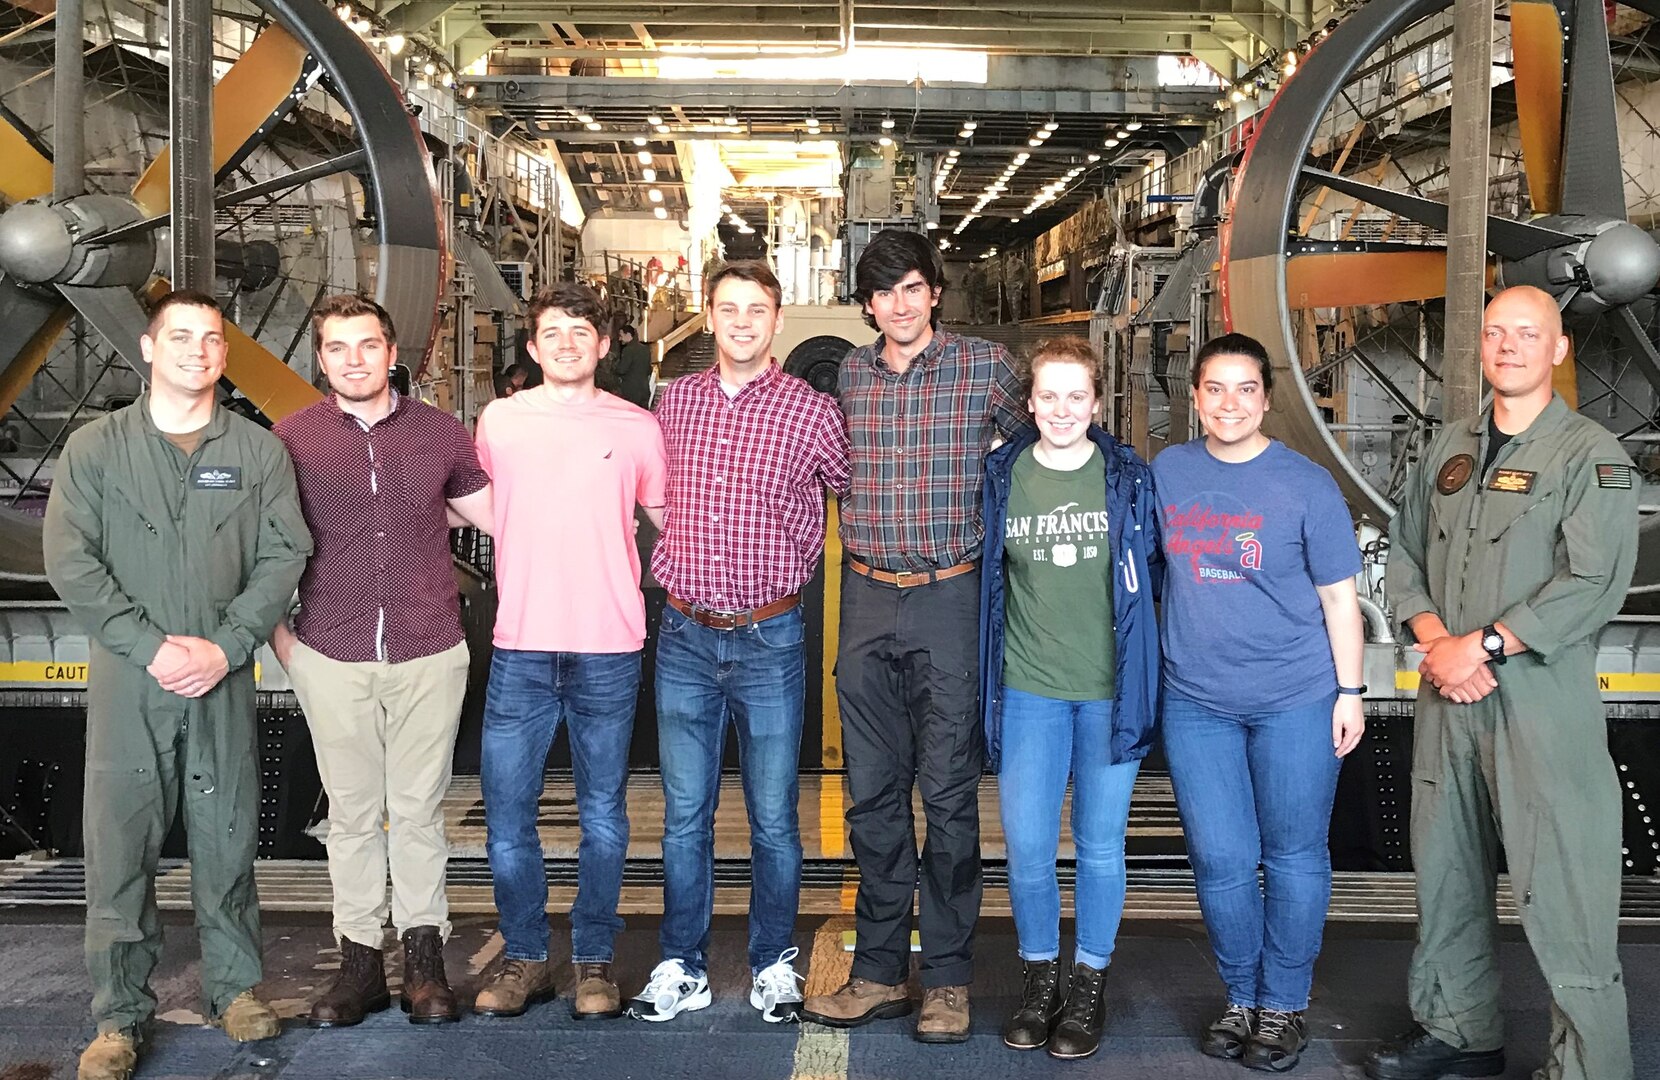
(1348, 723)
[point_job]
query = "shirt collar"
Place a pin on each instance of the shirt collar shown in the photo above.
(927, 358)
(759, 384)
(346, 417)
(215, 426)
(1547, 421)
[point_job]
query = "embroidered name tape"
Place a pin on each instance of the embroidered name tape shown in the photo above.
(1515, 481)
(217, 477)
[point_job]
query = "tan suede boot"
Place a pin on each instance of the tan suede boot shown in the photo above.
(113, 1055)
(247, 1019)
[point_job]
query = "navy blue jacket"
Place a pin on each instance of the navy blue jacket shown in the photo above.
(1138, 562)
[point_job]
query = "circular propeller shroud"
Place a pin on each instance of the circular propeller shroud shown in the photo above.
(1566, 126)
(408, 244)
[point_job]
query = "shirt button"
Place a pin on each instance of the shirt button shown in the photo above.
(714, 517)
(717, 558)
(720, 480)
(381, 535)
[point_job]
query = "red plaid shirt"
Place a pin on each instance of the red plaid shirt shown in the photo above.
(919, 446)
(747, 473)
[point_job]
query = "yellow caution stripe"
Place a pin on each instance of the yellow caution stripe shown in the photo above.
(1609, 682)
(52, 673)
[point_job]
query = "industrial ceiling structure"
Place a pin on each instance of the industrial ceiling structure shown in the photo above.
(1038, 104)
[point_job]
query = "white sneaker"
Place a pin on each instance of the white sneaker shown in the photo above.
(670, 991)
(777, 990)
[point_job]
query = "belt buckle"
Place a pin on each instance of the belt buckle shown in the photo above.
(902, 577)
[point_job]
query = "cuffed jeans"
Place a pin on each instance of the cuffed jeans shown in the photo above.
(1044, 741)
(529, 694)
(1254, 790)
(756, 677)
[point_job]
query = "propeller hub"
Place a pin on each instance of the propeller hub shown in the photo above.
(35, 242)
(1623, 263)
(42, 241)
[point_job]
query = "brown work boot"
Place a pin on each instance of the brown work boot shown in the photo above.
(514, 987)
(944, 1016)
(248, 1019)
(596, 996)
(359, 988)
(113, 1055)
(859, 1001)
(427, 996)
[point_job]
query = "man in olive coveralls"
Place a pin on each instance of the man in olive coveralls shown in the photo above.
(1514, 545)
(175, 537)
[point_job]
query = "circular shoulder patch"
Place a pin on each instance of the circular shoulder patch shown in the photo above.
(1455, 474)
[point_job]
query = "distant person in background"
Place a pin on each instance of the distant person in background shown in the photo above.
(511, 381)
(633, 368)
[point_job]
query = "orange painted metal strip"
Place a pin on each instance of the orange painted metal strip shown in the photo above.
(24, 366)
(1536, 44)
(243, 100)
(24, 171)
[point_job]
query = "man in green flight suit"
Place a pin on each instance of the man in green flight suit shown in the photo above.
(174, 535)
(1514, 545)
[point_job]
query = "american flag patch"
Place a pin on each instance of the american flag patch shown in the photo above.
(1614, 476)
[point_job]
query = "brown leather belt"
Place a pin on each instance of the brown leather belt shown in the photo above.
(906, 579)
(732, 620)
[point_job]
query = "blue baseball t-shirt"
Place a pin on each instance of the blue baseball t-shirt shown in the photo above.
(1245, 545)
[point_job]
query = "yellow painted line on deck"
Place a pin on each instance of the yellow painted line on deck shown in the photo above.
(821, 1052)
(1609, 682)
(830, 614)
(832, 818)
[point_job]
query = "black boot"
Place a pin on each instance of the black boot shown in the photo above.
(1418, 1055)
(1078, 1031)
(1041, 995)
(359, 988)
(427, 996)
(1278, 1041)
(1227, 1035)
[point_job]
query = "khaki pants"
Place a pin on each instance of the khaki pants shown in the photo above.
(384, 735)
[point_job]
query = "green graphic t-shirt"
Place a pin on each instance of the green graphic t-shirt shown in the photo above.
(1058, 639)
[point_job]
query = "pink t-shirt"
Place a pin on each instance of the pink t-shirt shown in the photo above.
(565, 479)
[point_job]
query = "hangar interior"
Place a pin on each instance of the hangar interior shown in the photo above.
(1143, 173)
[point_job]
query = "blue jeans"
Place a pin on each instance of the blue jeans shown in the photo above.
(756, 676)
(1044, 741)
(1253, 790)
(529, 694)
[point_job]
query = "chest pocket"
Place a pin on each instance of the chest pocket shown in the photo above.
(225, 507)
(1511, 516)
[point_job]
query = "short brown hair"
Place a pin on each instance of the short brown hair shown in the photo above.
(1064, 350)
(747, 270)
(577, 301)
(179, 298)
(348, 306)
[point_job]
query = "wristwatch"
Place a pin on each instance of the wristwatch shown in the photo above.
(1492, 643)
(1352, 691)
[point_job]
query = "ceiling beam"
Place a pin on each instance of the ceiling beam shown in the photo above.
(409, 18)
(585, 92)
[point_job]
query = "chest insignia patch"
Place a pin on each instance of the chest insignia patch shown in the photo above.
(1455, 474)
(1515, 481)
(1614, 476)
(216, 477)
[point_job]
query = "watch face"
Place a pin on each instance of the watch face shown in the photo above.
(1492, 642)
